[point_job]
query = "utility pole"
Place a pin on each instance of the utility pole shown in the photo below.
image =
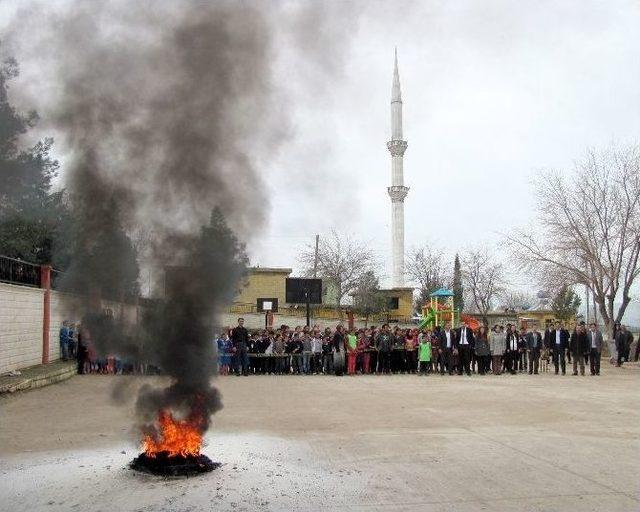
(315, 274)
(586, 290)
(315, 261)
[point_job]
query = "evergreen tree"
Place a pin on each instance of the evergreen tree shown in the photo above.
(458, 290)
(367, 298)
(565, 304)
(30, 215)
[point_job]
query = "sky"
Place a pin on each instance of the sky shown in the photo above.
(493, 91)
(491, 94)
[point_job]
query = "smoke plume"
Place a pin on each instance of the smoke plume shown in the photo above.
(166, 110)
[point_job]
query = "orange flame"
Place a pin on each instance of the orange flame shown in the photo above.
(176, 437)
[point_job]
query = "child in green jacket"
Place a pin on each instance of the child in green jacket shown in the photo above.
(424, 355)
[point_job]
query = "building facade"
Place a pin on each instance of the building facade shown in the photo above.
(262, 283)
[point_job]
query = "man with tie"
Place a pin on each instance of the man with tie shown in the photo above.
(447, 346)
(559, 341)
(466, 342)
(595, 348)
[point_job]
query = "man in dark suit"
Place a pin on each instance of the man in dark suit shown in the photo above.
(547, 336)
(579, 348)
(240, 341)
(466, 341)
(558, 344)
(534, 344)
(447, 347)
(595, 348)
(621, 338)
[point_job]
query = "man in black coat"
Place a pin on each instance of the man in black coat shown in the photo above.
(448, 346)
(558, 344)
(547, 337)
(621, 339)
(240, 342)
(466, 341)
(579, 348)
(384, 345)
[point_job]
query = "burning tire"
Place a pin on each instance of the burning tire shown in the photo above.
(164, 464)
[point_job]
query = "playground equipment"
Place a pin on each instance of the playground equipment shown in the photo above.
(473, 323)
(441, 309)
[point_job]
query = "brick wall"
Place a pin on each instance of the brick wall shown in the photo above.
(21, 317)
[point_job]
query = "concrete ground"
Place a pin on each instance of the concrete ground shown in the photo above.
(383, 443)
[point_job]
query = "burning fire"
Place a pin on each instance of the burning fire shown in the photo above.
(176, 437)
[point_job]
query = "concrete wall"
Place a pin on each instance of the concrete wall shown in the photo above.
(21, 318)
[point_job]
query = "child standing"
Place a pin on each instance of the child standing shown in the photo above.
(424, 355)
(352, 352)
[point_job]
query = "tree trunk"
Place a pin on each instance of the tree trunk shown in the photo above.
(606, 319)
(610, 314)
(622, 308)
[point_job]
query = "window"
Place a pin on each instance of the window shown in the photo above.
(393, 303)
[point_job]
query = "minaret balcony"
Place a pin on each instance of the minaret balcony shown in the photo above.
(397, 193)
(397, 147)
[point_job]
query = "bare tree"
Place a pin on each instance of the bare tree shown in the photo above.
(342, 261)
(590, 229)
(426, 268)
(483, 278)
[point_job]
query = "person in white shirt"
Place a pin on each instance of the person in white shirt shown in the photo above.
(511, 354)
(448, 348)
(316, 349)
(559, 342)
(466, 343)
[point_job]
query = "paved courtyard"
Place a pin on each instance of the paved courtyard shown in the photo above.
(393, 443)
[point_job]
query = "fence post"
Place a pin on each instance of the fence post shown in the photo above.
(45, 282)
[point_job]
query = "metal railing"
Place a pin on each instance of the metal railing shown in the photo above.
(19, 272)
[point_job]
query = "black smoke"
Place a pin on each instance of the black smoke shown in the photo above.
(160, 110)
(167, 110)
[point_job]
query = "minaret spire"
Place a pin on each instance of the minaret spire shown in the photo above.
(397, 191)
(395, 88)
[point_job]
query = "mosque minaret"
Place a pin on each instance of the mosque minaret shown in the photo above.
(397, 191)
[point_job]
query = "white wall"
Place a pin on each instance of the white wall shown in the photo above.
(21, 317)
(21, 323)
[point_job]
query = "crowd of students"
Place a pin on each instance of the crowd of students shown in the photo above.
(311, 350)
(503, 349)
